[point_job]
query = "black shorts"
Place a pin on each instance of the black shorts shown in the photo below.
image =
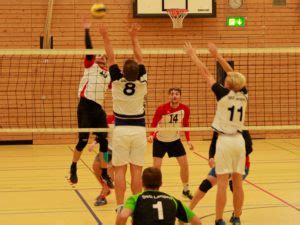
(174, 148)
(91, 115)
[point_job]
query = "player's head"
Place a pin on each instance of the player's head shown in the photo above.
(152, 178)
(130, 70)
(101, 60)
(235, 81)
(174, 95)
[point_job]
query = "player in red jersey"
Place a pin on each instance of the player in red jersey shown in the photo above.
(172, 114)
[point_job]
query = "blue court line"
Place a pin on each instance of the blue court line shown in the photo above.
(88, 207)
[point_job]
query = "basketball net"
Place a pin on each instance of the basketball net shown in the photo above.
(177, 16)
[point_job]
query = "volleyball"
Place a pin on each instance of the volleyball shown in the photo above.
(98, 10)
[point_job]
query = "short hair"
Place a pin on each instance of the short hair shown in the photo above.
(174, 89)
(152, 178)
(131, 70)
(236, 81)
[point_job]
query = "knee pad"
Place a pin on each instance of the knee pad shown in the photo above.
(81, 144)
(205, 186)
(103, 144)
(230, 185)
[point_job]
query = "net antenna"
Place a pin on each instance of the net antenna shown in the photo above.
(177, 16)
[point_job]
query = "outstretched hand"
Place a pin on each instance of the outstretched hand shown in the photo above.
(213, 49)
(86, 24)
(102, 29)
(189, 50)
(134, 29)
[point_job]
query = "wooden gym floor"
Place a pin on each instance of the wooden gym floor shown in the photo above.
(34, 188)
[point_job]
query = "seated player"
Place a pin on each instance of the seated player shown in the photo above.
(153, 207)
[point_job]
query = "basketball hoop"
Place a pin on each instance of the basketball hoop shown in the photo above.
(177, 16)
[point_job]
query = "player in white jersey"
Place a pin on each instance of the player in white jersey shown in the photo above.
(90, 114)
(229, 123)
(129, 136)
(172, 114)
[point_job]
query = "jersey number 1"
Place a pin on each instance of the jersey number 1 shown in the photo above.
(129, 89)
(159, 208)
(240, 110)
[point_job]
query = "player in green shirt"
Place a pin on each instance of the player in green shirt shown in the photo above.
(153, 207)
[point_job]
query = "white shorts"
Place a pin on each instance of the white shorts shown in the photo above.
(230, 154)
(129, 144)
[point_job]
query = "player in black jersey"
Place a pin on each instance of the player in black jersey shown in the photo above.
(153, 207)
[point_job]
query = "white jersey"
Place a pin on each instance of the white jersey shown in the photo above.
(128, 97)
(94, 83)
(231, 110)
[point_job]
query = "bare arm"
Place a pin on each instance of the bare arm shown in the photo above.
(107, 45)
(191, 52)
(133, 31)
(214, 52)
(195, 221)
(123, 216)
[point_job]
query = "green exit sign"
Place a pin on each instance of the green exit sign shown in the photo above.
(235, 21)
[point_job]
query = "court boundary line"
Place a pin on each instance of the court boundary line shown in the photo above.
(257, 187)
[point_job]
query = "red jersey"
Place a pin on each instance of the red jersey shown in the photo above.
(166, 116)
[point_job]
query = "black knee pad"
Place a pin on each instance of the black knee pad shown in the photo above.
(81, 144)
(205, 186)
(102, 140)
(230, 185)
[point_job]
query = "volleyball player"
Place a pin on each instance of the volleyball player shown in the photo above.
(153, 207)
(105, 191)
(129, 88)
(228, 122)
(211, 179)
(90, 113)
(172, 114)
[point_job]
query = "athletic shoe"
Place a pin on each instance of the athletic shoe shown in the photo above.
(231, 218)
(119, 209)
(236, 221)
(100, 201)
(220, 222)
(108, 181)
(187, 194)
(73, 176)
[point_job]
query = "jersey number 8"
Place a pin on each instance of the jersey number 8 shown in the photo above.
(129, 89)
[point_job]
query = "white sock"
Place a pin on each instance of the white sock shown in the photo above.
(186, 187)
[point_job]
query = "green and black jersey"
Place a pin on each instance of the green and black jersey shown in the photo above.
(157, 208)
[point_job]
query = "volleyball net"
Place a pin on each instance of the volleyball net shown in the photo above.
(39, 88)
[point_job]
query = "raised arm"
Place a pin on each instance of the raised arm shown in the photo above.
(88, 41)
(191, 52)
(107, 45)
(214, 52)
(133, 31)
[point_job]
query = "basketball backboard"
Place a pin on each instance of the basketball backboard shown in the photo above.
(157, 8)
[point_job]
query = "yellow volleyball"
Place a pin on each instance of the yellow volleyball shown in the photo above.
(98, 10)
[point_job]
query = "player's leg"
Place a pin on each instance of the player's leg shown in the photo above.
(222, 183)
(83, 122)
(120, 159)
(176, 149)
(204, 187)
(136, 181)
(137, 158)
(237, 177)
(100, 122)
(158, 153)
(238, 194)
(101, 199)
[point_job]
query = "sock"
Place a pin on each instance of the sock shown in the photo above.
(74, 165)
(104, 172)
(186, 187)
(119, 208)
